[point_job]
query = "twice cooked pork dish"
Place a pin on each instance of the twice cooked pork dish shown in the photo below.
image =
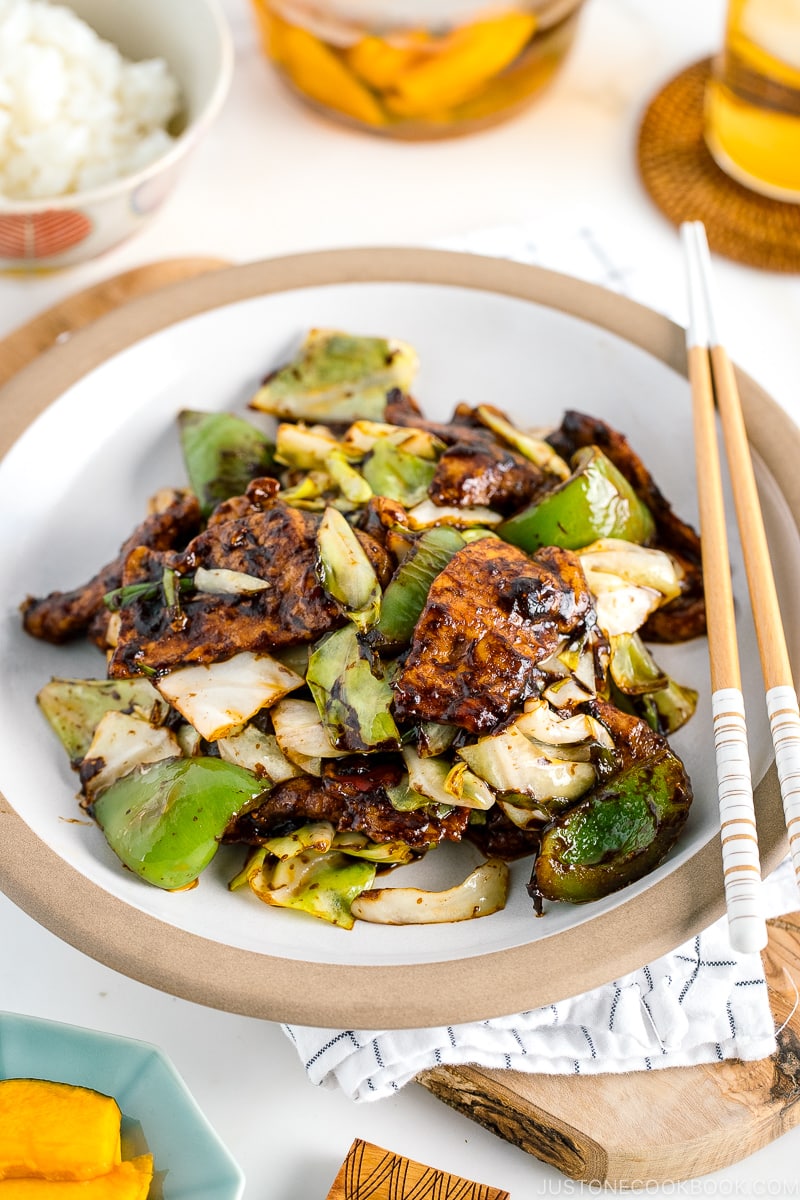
(358, 633)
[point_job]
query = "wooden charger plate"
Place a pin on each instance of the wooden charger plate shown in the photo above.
(527, 339)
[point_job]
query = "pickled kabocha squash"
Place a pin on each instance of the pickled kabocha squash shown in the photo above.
(127, 1181)
(436, 77)
(61, 1140)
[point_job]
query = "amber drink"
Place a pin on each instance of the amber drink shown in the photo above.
(417, 68)
(752, 120)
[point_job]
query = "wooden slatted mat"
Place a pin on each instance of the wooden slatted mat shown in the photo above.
(687, 185)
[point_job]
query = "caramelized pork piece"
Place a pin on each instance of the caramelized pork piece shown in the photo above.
(635, 742)
(62, 616)
(462, 426)
(351, 797)
(498, 837)
(285, 808)
(684, 617)
(259, 495)
(491, 616)
(483, 472)
(277, 545)
(476, 468)
(380, 516)
(401, 409)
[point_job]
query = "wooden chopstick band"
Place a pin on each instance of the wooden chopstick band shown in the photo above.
(740, 860)
(784, 723)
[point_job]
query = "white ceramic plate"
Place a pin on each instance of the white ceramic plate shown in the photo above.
(77, 481)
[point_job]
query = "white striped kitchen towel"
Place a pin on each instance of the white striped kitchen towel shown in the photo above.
(700, 1003)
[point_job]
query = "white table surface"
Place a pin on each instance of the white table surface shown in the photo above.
(270, 179)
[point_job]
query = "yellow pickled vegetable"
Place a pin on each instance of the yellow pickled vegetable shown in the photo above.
(320, 74)
(379, 62)
(269, 27)
(56, 1131)
(473, 55)
(126, 1181)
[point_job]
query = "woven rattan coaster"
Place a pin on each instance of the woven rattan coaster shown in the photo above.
(687, 185)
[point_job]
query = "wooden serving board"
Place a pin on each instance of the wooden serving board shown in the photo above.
(657, 1126)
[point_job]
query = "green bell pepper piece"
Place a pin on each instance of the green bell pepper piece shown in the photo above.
(164, 821)
(595, 502)
(407, 590)
(616, 834)
(222, 453)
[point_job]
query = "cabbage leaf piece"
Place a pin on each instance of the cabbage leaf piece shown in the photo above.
(220, 697)
(394, 472)
(510, 762)
(345, 572)
(483, 892)
(352, 694)
(323, 884)
(338, 377)
(75, 707)
(121, 742)
(407, 590)
(258, 752)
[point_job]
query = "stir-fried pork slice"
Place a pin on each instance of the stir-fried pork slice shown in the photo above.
(684, 617)
(462, 426)
(498, 837)
(491, 616)
(401, 409)
(351, 799)
(634, 740)
(382, 519)
(483, 472)
(277, 545)
(259, 495)
(286, 807)
(62, 616)
(476, 468)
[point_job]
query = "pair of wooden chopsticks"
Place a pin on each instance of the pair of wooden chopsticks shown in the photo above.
(712, 378)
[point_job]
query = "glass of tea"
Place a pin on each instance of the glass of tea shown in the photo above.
(752, 111)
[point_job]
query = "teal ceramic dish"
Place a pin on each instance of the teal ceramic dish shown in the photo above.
(158, 1112)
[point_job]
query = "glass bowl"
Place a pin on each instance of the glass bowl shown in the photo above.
(417, 68)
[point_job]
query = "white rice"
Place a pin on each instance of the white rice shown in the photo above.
(74, 114)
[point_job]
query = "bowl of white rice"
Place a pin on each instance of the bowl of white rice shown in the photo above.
(100, 103)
